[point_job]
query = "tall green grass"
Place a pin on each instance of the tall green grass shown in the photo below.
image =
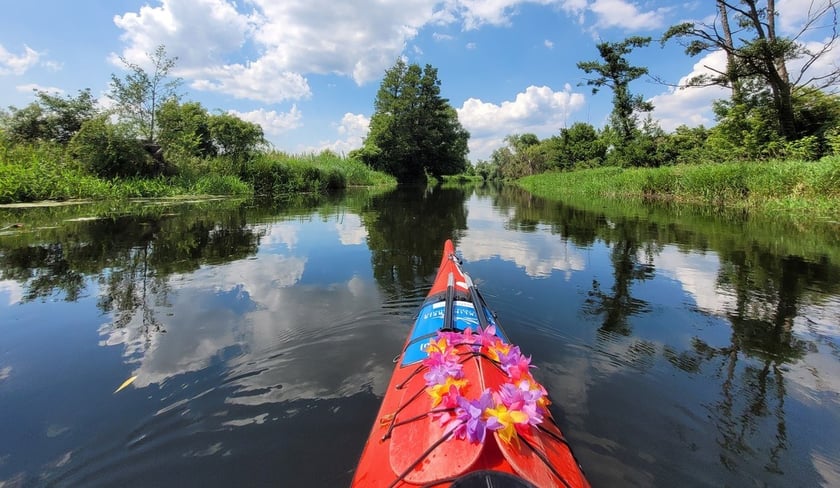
(804, 189)
(44, 172)
(47, 172)
(278, 173)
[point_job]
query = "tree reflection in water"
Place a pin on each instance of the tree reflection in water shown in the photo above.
(406, 229)
(130, 256)
(750, 413)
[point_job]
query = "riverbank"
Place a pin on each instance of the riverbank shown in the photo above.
(802, 190)
(31, 173)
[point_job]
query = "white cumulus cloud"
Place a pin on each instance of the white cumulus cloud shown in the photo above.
(352, 130)
(30, 87)
(691, 106)
(793, 14)
(263, 50)
(539, 110)
(260, 81)
(17, 64)
(198, 32)
(625, 15)
(272, 121)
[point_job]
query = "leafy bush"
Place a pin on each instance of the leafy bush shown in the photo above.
(832, 140)
(805, 149)
(109, 151)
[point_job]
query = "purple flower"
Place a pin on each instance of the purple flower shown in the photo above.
(440, 371)
(522, 398)
(515, 364)
(474, 425)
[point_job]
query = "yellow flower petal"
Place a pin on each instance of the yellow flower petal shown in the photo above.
(126, 383)
(518, 417)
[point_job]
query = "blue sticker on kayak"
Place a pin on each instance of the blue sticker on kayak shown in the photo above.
(430, 320)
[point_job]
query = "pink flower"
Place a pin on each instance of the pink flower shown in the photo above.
(487, 337)
(515, 364)
(440, 371)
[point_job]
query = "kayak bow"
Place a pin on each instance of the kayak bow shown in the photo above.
(462, 408)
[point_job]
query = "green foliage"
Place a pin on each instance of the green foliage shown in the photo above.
(805, 149)
(816, 112)
(235, 138)
(110, 151)
(523, 155)
(276, 174)
(25, 125)
(748, 130)
(213, 184)
(799, 189)
(50, 118)
(414, 131)
(184, 130)
(139, 95)
(616, 73)
(832, 138)
(745, 131)
(43, 171)
(684, 145)
(487, 170)
(578, 145)
(647, 147)
(757, 60)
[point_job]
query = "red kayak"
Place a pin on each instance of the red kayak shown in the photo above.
(462, 408)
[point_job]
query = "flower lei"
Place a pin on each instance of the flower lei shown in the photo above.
(513, 407)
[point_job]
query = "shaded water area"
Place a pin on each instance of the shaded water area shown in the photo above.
(679, 349)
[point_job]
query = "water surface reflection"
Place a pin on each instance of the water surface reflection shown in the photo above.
(679, 349)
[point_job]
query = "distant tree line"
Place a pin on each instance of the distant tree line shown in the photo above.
(414, 132)
(771, 114)
(148, 132)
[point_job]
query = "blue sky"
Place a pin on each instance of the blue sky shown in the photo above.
(308, 70)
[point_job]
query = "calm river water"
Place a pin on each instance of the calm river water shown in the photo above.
(679, 349)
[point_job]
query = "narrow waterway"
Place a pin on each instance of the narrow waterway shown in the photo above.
(679, 349)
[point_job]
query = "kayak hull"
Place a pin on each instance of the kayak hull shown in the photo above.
(416, 442)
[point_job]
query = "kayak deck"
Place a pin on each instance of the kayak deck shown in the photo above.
(462, 406)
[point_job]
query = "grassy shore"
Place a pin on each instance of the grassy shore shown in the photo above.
(802, 190)
(47, 172)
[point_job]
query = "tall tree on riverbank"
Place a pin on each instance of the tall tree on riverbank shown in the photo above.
(413, 130)
(757, 56)
(139, 95)
(616, 73)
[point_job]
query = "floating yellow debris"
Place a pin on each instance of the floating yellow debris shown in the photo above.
(126, 383)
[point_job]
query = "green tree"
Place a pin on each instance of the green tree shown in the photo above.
(486, 170)
(235, 138)
(616, 73)
(184, 130)
(413, 130)
(139, 95)
(24, 124)
(748, 129)
(685, 145)
(111, 151)
(577, 146)
(50, 118)
(522, 155)
(759, 54)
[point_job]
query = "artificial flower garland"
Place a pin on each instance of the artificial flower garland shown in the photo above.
(514, 407)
